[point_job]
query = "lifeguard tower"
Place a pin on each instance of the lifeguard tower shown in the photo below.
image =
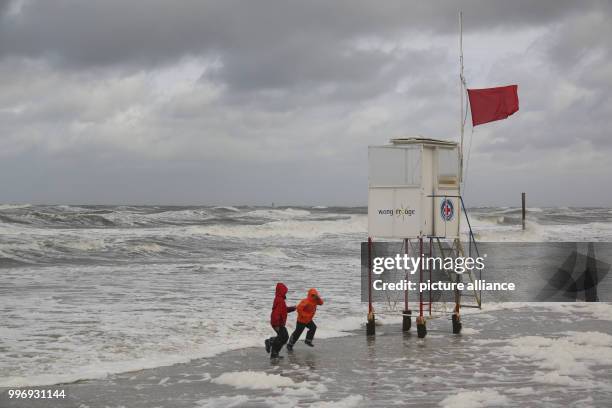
(414, 196)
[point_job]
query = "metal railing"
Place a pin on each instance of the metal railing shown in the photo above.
(471, 237)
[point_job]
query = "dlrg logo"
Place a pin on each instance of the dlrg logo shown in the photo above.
(447, 210)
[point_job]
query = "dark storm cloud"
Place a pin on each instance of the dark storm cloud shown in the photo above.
(157, 31)
(279, 93)
(362, 75)
(3, 6)
(577, 38)
(262, 45)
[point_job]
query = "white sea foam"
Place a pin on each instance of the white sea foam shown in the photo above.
(149, 247)
(260, 380)
(469, 331)
(224, 402)
(565, 360)
(278, 214)
(227, 208)
(132, 218)
(346, 402)
(579, 310)
(494, 229)
(521, 391)
(273, 252)
(84, 244)
(486, 397)
(13, 206)
(256, 380)
(356, 224)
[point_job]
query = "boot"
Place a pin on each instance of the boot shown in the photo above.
(289, 347)
(309, 343)
(268, 345)
(275, 355)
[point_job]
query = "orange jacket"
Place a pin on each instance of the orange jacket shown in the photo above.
(307, 307)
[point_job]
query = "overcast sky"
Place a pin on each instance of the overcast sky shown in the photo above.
(253, 102)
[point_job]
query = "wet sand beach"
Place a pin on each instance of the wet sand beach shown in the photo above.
(555, 355)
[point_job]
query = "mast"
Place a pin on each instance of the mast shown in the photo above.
(461, 93)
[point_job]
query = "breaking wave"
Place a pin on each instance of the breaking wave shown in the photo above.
(82, 234)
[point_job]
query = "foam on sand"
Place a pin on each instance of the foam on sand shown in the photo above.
(592, 310)
(288, 393)
(516, 366)
(254, 380)
(475, 399)
(224, 402)
(347, 402)
(569, 360)
(259, 380)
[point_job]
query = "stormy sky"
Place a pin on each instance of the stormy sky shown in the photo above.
(253, 102)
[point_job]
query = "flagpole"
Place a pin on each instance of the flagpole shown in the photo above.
(461, 93)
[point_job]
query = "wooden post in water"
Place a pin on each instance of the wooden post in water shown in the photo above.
(523, 213)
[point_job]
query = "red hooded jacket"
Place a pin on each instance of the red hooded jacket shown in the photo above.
(279, 307)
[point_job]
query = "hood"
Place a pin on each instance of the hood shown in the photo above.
(312, 292)
(281, 289)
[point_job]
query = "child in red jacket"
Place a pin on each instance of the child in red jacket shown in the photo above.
(278, 319)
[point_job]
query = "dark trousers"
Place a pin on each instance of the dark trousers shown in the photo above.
(299, 328)
(280, 340)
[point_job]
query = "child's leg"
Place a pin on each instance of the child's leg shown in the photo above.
(273, 338)
(280, 340)
(295, 336)
(312, 328)
(270, 341)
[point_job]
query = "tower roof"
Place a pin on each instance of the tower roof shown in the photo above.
(422, 140)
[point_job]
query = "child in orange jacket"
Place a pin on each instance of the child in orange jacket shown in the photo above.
(306, 310)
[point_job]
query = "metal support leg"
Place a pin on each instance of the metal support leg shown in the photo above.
(456, 316)
(370, 325)
(421, 327)
(430, 268)
(407, 313)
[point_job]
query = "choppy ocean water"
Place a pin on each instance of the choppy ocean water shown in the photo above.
(91, 290)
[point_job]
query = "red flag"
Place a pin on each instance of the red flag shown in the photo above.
(492, 104)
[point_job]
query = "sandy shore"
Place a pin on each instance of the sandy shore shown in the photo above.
(515, 357)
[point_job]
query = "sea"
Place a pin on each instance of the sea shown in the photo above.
(91, 291)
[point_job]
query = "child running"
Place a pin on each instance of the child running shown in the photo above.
(306, 310)
(278, 319)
